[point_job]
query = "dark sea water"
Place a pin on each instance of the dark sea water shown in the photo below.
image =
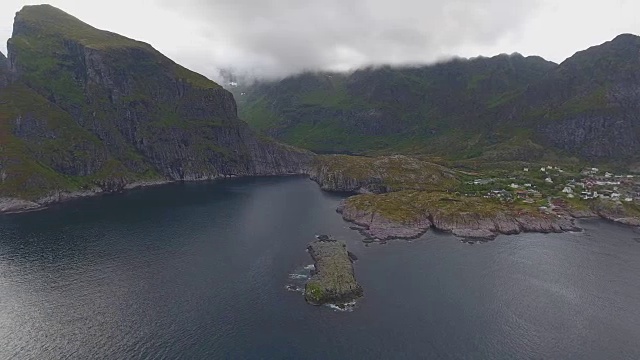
(199, 271)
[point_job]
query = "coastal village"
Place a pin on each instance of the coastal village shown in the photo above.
(539, 185)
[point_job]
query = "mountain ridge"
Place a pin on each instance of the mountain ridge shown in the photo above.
(465, 108)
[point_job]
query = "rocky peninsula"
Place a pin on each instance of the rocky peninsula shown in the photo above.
(333, 281)
(402, 197)
(409, 214)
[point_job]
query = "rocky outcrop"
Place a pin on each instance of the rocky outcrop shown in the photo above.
(374, 224)
(9, 205)
(338, 181)
(616, 212)
(377, 175)
(334, 280)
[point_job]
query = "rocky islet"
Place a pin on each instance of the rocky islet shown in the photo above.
(333, 280)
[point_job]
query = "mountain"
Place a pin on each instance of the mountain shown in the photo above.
(421, 109)
(500, 108)
(590, 104)
(86, 110)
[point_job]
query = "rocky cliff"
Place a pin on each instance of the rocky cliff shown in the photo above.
(590, 104)
(99, 112)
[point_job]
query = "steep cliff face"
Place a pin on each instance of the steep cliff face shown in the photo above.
(590, 105)
(105, 111)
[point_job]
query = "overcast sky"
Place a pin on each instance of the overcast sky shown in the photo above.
(280, 37)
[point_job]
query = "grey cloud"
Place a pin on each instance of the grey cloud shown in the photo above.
(274, 38)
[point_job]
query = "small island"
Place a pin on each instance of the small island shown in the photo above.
(333, 281)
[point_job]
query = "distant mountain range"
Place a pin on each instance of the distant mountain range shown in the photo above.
(86, 111)
(507, 107)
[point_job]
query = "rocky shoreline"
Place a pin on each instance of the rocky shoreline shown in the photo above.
(333, 281)
(403, 198)
(374, 226)
(10, 205)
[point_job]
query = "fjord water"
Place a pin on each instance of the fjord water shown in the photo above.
(199, 271)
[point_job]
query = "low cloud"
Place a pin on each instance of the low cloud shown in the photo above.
(275, 38)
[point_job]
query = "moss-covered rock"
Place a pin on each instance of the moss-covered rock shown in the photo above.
(334, 279)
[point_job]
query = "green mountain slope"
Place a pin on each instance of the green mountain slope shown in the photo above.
(83, 109)
(417, 110)
(500, 108)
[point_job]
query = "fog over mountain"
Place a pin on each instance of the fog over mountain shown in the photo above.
(275, 38)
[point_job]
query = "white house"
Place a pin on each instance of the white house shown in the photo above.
(567, 190)
(549, 180)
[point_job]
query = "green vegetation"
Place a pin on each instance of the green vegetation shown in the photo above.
(44, 159)
(43, 37)
(49, 21)
(407, 207)
(435, 109)
(314, 292)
